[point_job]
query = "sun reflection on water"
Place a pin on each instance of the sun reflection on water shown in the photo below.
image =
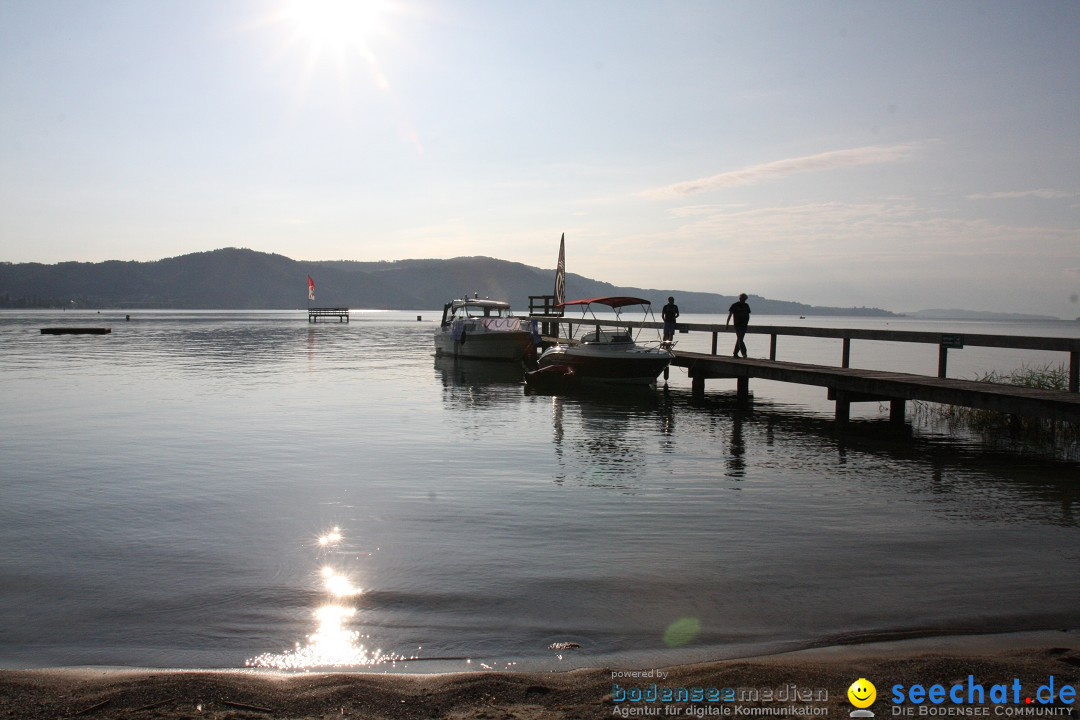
(333, 537)
(338, 585)
(333, 644)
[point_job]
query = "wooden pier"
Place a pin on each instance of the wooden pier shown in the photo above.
(846, 385)
(341, 313)
(543, 306)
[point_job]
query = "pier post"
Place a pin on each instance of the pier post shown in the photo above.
(845, 358)
(742, 398)
(714, 342)
(1074, 371)
(942, 360)
(697, 389)
(897, 409)
(772, 346)
(843, 407)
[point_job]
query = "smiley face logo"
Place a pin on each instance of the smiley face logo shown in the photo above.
(862, 693)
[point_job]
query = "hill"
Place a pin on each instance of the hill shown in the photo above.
(234, 278)
(955, 314)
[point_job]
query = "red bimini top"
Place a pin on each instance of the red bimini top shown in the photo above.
(612, 302)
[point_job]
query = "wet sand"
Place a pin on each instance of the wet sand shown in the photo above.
(241, 695)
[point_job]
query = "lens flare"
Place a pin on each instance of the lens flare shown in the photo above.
(682, 632)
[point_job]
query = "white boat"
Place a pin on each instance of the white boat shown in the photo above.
(606, 354)
(484, 329)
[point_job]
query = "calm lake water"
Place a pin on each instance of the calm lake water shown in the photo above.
(221, 489)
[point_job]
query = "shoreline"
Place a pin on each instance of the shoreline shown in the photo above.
(170, 694)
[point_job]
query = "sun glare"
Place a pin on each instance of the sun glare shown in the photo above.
(338, 25)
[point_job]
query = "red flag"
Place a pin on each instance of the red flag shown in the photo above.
(310, 288)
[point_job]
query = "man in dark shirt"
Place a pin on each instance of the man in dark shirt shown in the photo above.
(669, 314)
(741, 312)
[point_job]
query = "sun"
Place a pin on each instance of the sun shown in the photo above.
(337, 25)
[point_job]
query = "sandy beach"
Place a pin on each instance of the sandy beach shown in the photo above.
(809, 683)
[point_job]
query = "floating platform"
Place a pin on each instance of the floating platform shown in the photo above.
(75, 331)
(341, 313)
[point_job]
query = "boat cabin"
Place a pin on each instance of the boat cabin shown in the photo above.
(474, 308)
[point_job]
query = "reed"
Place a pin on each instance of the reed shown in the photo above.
(997, 427)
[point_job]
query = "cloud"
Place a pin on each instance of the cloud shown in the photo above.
(1038, 193)
(754, 174)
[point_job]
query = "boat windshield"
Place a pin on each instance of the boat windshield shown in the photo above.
(608, 337)
(476, 308)
(472, 310)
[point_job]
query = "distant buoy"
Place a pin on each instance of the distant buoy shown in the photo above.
(418, 318)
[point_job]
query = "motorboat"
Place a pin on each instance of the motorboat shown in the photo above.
(484, 329)
(604, 355)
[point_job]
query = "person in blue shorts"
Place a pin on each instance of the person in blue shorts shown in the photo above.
(741, 312)
(668, 315)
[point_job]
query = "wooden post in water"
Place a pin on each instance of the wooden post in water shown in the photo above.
(942, 360)
(714, 335)
(1074, 371)
(845, 358)
(697, 389)
(897, 409)
(772, 346)
(742, 398)
(843, 407)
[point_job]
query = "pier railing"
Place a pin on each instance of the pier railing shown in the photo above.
(944, 341)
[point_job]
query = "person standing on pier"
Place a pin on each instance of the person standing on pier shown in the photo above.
(669, 315)
(741, 312)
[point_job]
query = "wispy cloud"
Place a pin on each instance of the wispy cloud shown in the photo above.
(1044, 193)
(754, 174)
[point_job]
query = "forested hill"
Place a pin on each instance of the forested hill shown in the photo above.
(234, 278)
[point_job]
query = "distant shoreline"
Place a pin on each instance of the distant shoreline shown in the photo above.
(924, 315)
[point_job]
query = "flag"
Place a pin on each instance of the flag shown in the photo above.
(560, 273)
(310, 288)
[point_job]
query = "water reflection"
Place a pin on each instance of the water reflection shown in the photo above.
(470, 384)
(736, 457)
(333, 643)
(598, 439)
(965, 480)
(628, 442)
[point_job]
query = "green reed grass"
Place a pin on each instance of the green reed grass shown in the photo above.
(998, 427)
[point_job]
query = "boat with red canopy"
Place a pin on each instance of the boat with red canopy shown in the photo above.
(606, 355)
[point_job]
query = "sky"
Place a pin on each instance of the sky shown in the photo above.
(903, 155)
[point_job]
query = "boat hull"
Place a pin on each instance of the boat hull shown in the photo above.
(553, 378)
(484, 345)
(637, 366)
